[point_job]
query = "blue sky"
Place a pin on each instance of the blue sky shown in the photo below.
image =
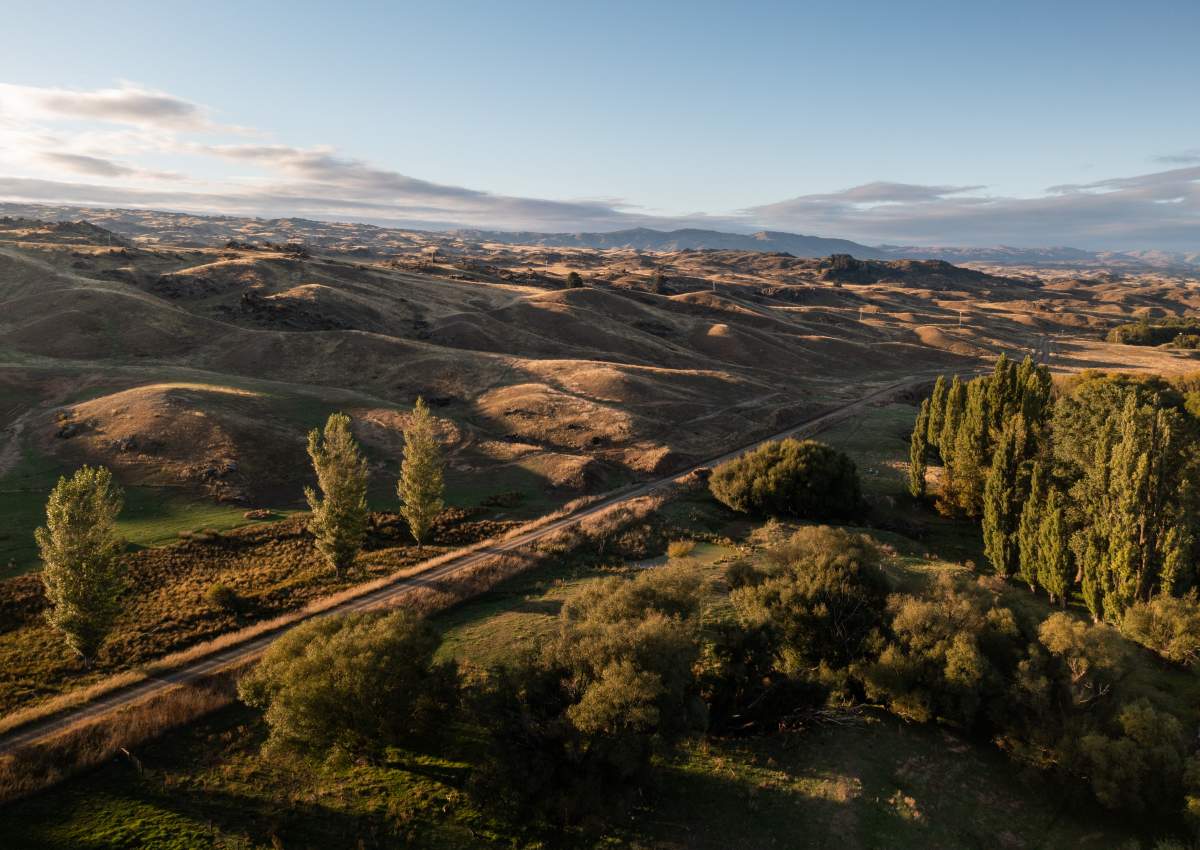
(932, 123)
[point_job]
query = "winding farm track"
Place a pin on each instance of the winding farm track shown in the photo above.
(392, 593)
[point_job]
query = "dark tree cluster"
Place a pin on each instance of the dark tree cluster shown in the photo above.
(799, 478)
(574, 728)
(1091, 489)
(1177, 331)
(1058, 697)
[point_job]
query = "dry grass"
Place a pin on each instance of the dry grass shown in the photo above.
(451, 588)
(90, 743)
(680, 548)
(274, 570)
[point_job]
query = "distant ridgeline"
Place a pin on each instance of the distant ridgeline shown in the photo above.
(1175, 331)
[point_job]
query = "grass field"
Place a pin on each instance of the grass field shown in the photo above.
(154, 515)
(878, 783)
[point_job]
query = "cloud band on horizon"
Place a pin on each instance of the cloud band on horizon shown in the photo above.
(49, 135)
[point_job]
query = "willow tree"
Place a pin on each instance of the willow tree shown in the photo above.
(339, 512)
(421, 487)
(80, 553)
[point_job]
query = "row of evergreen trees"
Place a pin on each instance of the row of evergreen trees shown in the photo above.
(1094, 489)
(961, 424)
(81, 552)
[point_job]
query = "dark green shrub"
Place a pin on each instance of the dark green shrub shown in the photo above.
(1143, 766)
(573, 729)
(1158, 332)
(821, 595)
(790, 477)
(951, 654)
(223, 598)
(353, 684)
(1169, 625)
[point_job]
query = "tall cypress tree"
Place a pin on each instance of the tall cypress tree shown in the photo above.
(1027, 530)
(1054, 564)
(1090, 555)
(1034, 386)
(1001, 509)
(937, 411)
(1024, 373)
(917, 449)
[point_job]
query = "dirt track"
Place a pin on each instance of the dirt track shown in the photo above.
(392, 594)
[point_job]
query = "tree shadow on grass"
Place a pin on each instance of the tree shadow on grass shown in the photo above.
(884, 784)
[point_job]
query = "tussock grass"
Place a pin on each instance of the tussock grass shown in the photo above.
(680, 548)
(93, 742)
(48, 762)
(168, 616)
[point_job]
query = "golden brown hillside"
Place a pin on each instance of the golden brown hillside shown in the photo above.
(200, 368)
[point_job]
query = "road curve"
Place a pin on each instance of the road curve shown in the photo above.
(392, 593)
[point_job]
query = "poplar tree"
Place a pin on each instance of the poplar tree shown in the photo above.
(1089, 554)
(918, 446)
(1091, 496)
(1023, 374)
(1034, 386)
(1177, 548)
(1141, 509)
(80, 553)
(421, 486)
(1054, 562)
(1001, 508)
(1028, 545)
(956, 399)
(970, 452)
(956, 402)
(937, 411)
(1000, 392)
(1133, 499)
(339, 512)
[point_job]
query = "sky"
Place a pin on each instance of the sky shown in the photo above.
(914, 123)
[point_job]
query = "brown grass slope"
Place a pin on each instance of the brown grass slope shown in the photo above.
(622, 371)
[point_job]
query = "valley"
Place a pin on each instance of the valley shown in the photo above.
(568, 385)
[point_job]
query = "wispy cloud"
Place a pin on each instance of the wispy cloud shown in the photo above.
(50, 137)
(128, 104)
(1188, 157)
(97, 166)
(1159, 209)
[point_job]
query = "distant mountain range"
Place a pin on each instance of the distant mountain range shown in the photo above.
(186, 228)
(690, 239)
(695, 239)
